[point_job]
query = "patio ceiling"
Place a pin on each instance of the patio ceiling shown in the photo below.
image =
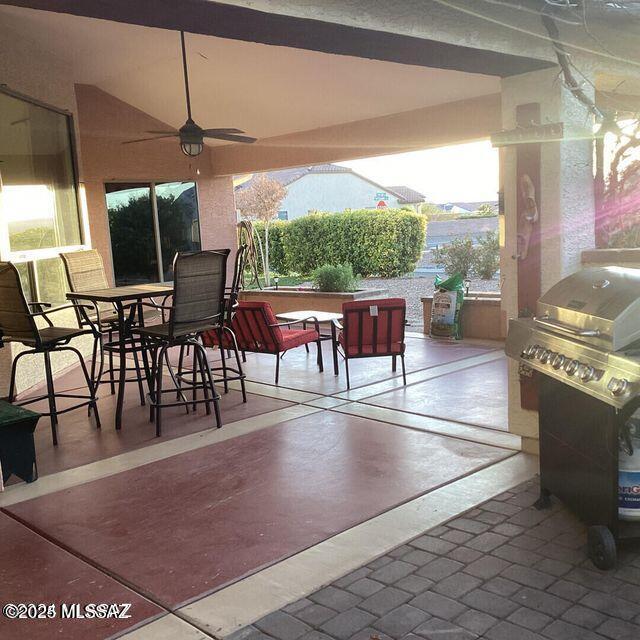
(265, 90)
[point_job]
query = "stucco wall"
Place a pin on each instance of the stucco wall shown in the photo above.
(332, 192)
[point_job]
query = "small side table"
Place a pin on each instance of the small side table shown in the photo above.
(17, 448)
(323, 317)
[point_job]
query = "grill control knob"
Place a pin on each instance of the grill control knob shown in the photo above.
(544, 355)
(529, 351)
(618, 386)
(571, 367)
(586, 372)
(538, 351)
(558, 361)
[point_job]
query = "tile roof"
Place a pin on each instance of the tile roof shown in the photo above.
(407, 195)
(286, 176)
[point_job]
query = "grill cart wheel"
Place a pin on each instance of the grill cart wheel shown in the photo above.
(602, 547)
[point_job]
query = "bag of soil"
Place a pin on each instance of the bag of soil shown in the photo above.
(445, 309)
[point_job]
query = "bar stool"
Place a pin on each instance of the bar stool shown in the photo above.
(85, 272)
(196, 307)
(18, 324)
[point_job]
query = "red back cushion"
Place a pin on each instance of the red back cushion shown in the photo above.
(251, 326)
(385, 328)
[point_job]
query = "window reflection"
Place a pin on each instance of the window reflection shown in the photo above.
(38, 205)
(177, 221)
(149, 224)
(132, 233)
(37, 182)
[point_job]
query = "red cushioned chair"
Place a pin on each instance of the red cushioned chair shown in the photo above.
(373, 329)
(257, 330)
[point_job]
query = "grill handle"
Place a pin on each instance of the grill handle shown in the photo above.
(546, 321)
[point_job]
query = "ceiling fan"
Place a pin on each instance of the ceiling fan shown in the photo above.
(192, 135)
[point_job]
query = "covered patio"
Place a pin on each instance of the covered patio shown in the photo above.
(291, 469)
(280, 523)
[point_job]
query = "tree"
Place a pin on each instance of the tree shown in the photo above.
(429, 209)
(261, 200)
(486, 209)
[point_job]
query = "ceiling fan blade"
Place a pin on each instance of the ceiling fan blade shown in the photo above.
(169, 135)
(232, 138)
(215, 132)
(173, 131)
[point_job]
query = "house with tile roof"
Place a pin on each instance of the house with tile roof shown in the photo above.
(331, 187)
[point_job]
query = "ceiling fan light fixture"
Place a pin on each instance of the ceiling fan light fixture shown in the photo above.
(191, 149)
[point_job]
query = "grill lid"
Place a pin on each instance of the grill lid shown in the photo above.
(597, 305)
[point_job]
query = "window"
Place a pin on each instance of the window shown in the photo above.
(39, 212)
(283, 215)
(149, 224)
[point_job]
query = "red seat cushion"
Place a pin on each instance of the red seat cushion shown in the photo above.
(210, 339)
(386, 329)
(295, 337)
(367, 349)
(251, 325)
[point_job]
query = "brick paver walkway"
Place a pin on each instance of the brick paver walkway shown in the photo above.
(503, 571)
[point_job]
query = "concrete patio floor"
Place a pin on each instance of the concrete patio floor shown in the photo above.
(207, 530)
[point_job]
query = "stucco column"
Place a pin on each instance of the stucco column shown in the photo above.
(565, 204)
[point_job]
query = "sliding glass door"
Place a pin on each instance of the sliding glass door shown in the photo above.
(149, 223)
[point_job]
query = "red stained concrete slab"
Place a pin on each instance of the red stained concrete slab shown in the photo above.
(79, 442)
(32, 570)
(182, 527)
(477, 395)
(298, 369)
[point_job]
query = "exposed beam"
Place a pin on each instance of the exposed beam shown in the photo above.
(239, 23)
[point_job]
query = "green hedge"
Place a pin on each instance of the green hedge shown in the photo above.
(277, 261)
(383, 243)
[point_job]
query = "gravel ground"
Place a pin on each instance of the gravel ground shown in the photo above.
(413, 288)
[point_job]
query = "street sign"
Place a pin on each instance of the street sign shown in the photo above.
(382, 204)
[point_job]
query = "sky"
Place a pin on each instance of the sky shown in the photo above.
(461, 173)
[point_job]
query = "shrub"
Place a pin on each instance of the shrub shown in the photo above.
(338, 277)
(384, 243)
(277, 258)
(486, 256)
(456, 257)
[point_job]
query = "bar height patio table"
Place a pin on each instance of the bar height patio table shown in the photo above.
(119, 297)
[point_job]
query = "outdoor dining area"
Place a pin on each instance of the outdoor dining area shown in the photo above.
(176, 344)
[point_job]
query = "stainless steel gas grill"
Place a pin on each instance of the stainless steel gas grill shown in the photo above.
(585, 340)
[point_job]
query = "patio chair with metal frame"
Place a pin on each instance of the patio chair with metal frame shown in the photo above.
(373, 329)
(224, 337)
(196, 306)
(257, 331)
(18, 324)
(85, 272)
